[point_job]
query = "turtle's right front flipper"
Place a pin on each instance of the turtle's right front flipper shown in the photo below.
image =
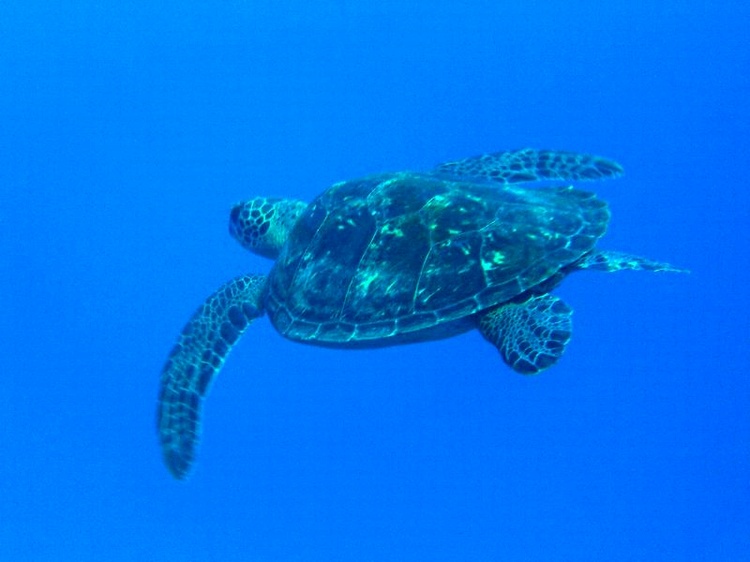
(529, 165)
(200, 352)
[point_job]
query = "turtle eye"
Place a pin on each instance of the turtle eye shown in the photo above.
(234, 220)
(234, 215)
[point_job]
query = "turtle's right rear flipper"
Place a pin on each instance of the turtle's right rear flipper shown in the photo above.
(528, 165)
(200, 352)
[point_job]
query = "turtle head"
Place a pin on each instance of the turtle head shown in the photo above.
(262, 225)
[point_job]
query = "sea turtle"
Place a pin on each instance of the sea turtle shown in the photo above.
(404, 257)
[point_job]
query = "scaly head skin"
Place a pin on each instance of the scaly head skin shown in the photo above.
(262, 225)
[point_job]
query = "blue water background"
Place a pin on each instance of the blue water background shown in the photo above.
(127, 130)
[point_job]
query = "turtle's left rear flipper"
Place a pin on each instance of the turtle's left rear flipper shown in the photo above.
(616, 261)
(531, 335)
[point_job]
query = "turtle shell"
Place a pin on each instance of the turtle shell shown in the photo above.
(414, 256)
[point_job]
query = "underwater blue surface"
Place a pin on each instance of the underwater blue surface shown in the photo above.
(127, 131)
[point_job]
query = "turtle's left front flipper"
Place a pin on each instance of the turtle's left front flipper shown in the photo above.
(528, 165)
(200, 352)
